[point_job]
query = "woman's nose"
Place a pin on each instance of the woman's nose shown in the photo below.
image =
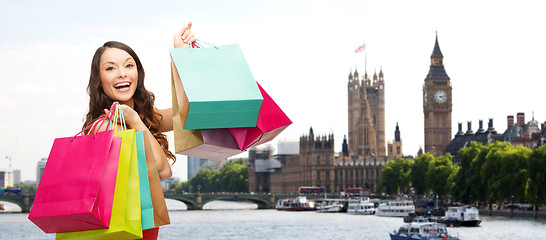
(122, 73)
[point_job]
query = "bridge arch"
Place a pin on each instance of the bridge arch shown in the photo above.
(190, 203)
(262, 203)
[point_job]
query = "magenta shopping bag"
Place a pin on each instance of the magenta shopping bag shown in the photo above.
(76, 190)
(271, 122)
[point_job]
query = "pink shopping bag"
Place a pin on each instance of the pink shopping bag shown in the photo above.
(271, 122)
(77, 187)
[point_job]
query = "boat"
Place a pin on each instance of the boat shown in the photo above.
(421, 229)
(331, 205)
(296, 204)
(461, 216)
(361, 206)
(395, 208)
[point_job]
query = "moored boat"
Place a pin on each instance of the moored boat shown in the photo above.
(361, 206)
(395, 208)
(420, 228)
(461, 216)
(331, 205)
(296, 204)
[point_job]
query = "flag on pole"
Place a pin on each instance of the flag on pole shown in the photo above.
(361, 48)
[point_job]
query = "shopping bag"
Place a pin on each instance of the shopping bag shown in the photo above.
(213, 144)
(125, 222)
(271, 122)
(219, 89)
(217, 144)
(145, 195)
(77, 186)
(161, 214)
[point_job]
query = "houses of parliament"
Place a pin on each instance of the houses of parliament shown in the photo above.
(313, 162)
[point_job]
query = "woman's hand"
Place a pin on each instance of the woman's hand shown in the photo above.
(184, 38)
(132, 119)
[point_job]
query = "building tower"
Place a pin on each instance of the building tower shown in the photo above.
(395, 148)
(437, 105)
(366, 115)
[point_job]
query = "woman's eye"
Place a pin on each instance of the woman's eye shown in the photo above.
(109, 68)
(130, 65)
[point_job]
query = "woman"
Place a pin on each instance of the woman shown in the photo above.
(117, 75)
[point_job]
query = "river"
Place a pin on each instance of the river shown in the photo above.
(243, 222)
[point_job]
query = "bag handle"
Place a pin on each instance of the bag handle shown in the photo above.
(94, 124)
(197, 45)
(118, 114)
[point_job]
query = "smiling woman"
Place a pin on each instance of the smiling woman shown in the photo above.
(117, 75)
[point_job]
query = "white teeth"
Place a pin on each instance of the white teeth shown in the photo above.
(120, 85)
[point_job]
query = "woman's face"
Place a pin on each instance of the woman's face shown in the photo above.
(118, 75)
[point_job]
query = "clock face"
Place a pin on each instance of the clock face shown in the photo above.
(440, 96)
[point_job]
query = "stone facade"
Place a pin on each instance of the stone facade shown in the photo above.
(437, 105)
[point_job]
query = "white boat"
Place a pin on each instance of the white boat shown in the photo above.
(420, 228)
(461, 216)
(395, 208)
(361, 206)
(297, 204)
(330, 205)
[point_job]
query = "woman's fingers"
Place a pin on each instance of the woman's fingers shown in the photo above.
(184, 37)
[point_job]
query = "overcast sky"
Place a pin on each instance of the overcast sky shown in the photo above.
(301, 52)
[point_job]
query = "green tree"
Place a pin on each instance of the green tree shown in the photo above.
(506, 170)
(536, 190)
(418, 173)
(438, 174)
(233, 176)
(395, 175)
(463, 181)
(27, 187)
(206, 180)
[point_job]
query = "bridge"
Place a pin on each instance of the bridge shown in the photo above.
(193, 201)
(196, 201)
(24, 201)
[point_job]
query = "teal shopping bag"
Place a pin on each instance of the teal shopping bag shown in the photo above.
(145, 194)
(219, 90)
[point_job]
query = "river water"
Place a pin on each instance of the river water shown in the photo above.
(242, 222)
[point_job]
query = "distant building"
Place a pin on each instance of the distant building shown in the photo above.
(6, 178)
(40, 169)
(16, 176)
(2, 179)
(437, 104)
(195, 164)
(531, 135)
(315, 163)
(166, 184)
(395, 147)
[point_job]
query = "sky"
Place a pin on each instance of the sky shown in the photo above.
(301, 53)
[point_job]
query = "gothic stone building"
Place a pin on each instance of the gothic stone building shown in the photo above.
(317, 164)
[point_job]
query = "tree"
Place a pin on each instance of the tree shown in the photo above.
(536, 192)
(438, 174)
(233, 176)
(464, 181)
(506, 172)
(395, 175)
(418, 173)
(27, 187)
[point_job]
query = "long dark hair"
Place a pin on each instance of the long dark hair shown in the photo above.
(143, 99)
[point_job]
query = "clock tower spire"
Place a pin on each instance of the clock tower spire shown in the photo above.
(437, 104)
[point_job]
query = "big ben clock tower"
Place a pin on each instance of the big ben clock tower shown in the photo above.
(437, 105)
